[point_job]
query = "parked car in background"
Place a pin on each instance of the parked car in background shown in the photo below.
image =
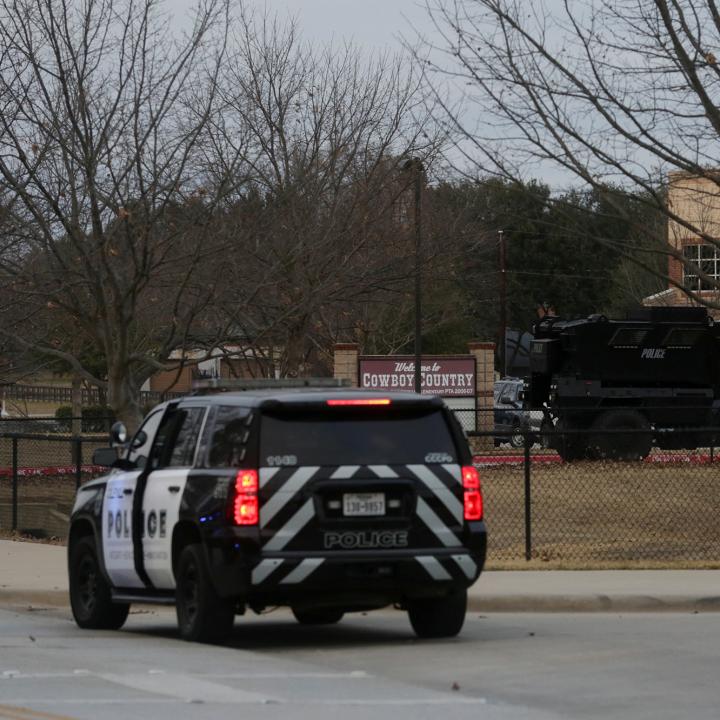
(512, 419)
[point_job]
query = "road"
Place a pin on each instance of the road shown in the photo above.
(503, 667)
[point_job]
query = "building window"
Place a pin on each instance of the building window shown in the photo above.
(707, 258)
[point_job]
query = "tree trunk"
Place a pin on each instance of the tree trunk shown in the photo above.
(124, 398)
(76, 405)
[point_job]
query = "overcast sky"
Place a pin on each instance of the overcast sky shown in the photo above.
(368, 23)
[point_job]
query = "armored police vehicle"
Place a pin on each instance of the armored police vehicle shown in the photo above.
(327, 500)
(612, 388)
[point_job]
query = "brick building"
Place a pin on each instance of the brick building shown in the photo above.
(697, 201)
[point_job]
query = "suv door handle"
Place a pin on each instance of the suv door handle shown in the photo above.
(174, 489)
(128, 491)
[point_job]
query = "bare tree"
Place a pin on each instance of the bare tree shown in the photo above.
(318, 138)
(105, 192)
(617, 93)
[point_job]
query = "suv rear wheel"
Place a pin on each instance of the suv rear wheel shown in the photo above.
(203, 616)
(90, 595)
(438, 617)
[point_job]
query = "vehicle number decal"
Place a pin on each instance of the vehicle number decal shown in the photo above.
(281, 460)
(438, 458)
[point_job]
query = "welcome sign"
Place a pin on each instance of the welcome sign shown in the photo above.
(445, 376)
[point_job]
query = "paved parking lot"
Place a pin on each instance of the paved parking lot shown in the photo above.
(504, 666)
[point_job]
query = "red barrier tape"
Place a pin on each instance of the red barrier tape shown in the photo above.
(655, 459)
(49, 471)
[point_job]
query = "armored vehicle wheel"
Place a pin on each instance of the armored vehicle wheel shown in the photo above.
(322, 616)
(570, 447)
(438, 617)
(90, 596)
(610, 443)
(203, 616)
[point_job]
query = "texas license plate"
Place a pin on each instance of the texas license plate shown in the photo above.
(363, 504)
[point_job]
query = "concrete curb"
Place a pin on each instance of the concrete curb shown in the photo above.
(476, 603)
(592, 603)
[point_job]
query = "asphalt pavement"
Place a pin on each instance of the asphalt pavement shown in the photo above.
(36, 574)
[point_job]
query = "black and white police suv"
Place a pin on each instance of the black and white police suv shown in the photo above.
(326, 500)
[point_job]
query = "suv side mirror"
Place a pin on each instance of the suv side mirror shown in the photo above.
(118, 434)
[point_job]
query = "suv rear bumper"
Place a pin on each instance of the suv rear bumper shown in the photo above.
(350, 578)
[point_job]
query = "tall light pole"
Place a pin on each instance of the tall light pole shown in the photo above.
(503, 303)
(415, 166)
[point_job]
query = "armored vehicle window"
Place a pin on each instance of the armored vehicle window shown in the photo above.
(683, 337)
(628, 337)
(227, 436)
(353, 438)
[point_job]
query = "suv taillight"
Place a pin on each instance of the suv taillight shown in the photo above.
(245, 505)
(473, 501)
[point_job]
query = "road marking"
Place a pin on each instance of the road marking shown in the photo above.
(14, 712)
(185, 687)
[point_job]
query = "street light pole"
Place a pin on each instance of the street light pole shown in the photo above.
(418, 171)
(415, 166)
(503, 304)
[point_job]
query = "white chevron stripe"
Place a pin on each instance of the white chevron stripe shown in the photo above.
(441, 490)
(466, 564)
(285, 493)
(436, 525)
(383, 471)
(344, 472)
(267, 474)
(293, 526)
(434, 568)
(302, 571)
(263, 569)
(454, 470)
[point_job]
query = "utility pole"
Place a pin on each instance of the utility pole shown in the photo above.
(415, 166)
(503, 304)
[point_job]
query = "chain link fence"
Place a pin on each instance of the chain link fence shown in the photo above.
(658, 509)
(38, 478)
(662, 509)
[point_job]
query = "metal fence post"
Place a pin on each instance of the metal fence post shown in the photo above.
(14, 483)
(528, 515)
(77, 442)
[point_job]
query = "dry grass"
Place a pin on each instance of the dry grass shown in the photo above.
(608, 513)
(584, 515)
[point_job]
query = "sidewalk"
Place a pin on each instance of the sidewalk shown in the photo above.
(36, 574)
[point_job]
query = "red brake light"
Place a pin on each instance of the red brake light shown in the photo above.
(246, 506)
(245, 510)
(470, 478)
(246, 481)
(359, 401)
(472, 496)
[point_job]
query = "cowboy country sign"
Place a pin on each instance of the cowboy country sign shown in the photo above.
(440, 375)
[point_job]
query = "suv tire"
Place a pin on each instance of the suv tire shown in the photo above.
(90, 595)
(202, 615)
(323, 616)
(438, 617)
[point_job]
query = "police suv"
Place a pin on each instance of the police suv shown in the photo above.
(323, 499)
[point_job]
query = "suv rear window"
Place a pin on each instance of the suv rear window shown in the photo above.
(350, 438)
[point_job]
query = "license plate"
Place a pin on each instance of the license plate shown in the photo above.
(363, 504)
